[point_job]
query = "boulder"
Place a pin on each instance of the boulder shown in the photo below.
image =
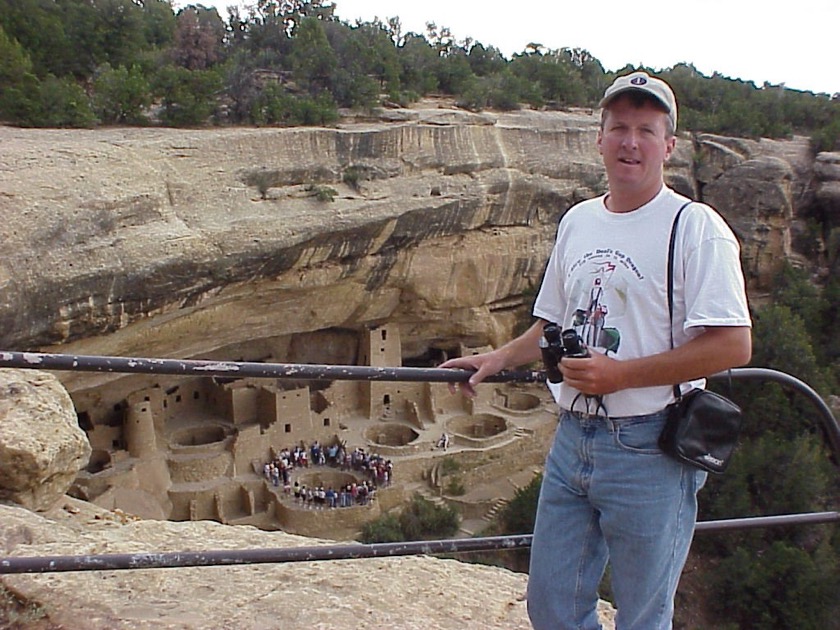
(42, 448)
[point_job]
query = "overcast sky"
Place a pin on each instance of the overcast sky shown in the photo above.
(778, 41)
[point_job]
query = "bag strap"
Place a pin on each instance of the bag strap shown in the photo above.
(677, 390)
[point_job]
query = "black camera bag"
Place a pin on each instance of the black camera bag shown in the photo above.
(702, 430)
(702, 427)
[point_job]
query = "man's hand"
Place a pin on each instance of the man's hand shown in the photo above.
(484, 365)
(596, 374)
(524, 349)
(715, 350)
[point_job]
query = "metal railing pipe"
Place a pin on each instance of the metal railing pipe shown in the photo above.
(232, 557)
(306, 371)
(236, 369)
(106, 562)
(829, 422)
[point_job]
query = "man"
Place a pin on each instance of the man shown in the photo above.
(609, 494)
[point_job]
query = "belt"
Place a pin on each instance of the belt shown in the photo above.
(583, 415)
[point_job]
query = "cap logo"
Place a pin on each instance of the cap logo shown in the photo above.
(638, 81)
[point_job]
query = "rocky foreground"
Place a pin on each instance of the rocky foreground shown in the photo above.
(409, 592)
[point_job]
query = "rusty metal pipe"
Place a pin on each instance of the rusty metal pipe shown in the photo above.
(234, 369)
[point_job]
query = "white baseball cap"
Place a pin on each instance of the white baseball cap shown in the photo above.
(643, 82)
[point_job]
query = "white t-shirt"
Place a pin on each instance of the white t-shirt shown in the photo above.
(607, 279)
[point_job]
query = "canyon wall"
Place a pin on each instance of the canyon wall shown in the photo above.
(223, 243)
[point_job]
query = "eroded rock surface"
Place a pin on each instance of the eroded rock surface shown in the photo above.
(411, 592)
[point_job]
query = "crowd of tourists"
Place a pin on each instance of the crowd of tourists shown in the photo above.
(377, 470)
(346, 496)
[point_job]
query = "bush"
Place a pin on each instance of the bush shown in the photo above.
(322, 193)
(188, 97)
(382, 530)
(782, 587)
(449, 465)
(419, 520)
(519, 515)
(263, 180)
(121, 95)
(63, 103)
(455, 487)
(276, 106)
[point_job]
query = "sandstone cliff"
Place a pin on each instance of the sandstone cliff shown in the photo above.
(141, 241)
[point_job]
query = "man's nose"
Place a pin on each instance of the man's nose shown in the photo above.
(630, 139)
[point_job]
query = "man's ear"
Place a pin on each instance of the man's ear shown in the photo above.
(670, 145)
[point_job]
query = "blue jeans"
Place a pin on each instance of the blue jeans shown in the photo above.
(610, 494)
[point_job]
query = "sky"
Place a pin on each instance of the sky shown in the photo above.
(777, 41)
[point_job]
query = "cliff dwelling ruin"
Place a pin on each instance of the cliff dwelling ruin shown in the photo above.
(182, 448)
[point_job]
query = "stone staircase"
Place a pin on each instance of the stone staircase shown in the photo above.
(498, 505)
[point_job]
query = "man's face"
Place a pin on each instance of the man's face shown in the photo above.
(634, 144)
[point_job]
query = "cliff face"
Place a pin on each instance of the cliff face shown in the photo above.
(214, 243)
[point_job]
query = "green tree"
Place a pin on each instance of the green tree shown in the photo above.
(419, 62)
(519, 515)
(63, 103)
(423, 520)
(454, 74)
(781, 587)
(554, 72)
(106, 31)
(38, 29)
(158, 23)
(121, 95)
(385, 529)
(485, 61)
(188, 98)
(313, 60)
(18, 84)
(420, 519)
(787, 343)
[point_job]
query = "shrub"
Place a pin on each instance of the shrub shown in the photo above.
(63, 103)
(419, 520)
(422, 520)
(188, 97)
(322, 193)
(783, 587)
(449, 465)
(121, 95)
(263, 180)
(384, 529)
(351, 176)
(455, 487)
(519, 515)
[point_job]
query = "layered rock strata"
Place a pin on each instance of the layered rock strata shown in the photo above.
(191, 243)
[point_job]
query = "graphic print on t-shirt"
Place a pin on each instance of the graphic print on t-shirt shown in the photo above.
(600, 288)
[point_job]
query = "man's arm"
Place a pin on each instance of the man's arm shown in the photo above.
(717, 349)
(523, 349)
